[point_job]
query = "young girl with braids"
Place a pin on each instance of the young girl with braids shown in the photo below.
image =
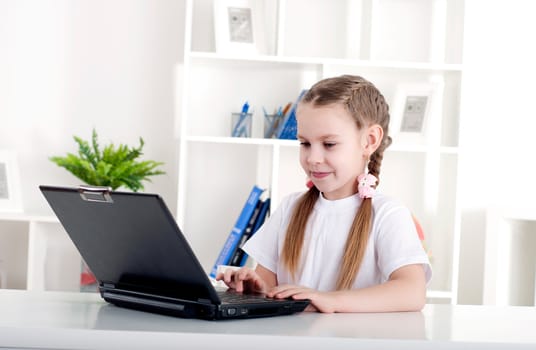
(341, 244)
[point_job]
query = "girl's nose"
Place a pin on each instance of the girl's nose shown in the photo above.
(315, 155)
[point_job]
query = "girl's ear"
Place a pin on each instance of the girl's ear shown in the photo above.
(373, 136)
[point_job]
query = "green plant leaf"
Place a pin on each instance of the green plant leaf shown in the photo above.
(113, 166)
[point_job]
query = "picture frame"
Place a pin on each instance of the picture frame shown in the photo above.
(10, 190)
(237, 27)
(414, 114)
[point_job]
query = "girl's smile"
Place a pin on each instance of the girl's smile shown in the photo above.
(319, 175)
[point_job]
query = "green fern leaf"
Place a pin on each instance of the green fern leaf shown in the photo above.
(113, 166)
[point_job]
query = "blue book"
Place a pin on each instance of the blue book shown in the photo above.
(263, 214)
(238, 230)
(237, 255)
(289, 127)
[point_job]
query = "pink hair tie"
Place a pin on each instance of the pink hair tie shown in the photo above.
(365, 185)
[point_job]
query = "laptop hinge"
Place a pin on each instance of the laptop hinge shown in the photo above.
(204, 301)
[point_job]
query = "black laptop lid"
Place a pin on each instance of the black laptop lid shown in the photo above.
(130, 240)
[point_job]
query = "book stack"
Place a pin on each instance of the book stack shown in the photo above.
(253, 214)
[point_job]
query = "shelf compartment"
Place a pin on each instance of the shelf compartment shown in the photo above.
(53, 262)
(14, 251)
(213, 58)
(217, 91)
(217, 187)
(410, 31)
(428, 189)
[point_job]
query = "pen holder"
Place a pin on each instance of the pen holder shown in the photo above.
(241, 124)
(271, 125)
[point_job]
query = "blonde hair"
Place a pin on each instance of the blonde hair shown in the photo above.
(367, 106)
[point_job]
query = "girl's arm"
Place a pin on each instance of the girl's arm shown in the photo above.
(247, 280)
(404, 291)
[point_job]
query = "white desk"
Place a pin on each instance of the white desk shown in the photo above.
(61, 320)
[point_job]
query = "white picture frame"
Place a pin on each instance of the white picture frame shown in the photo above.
(237, 27)
(414, 114)
(10, 190)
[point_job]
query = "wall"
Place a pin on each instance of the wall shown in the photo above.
(67, 66)
(499, 121)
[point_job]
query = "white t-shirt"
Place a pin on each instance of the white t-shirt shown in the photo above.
(393, 242)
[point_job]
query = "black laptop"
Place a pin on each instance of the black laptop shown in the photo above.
(135, 249)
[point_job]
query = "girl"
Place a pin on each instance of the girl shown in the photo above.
(340, 244)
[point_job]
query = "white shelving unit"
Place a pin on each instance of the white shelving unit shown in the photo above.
(389, 42)
(37, 254)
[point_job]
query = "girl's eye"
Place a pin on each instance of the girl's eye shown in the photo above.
(304, 144)
(329, 144)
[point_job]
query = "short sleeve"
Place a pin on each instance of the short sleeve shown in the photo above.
(397, 242)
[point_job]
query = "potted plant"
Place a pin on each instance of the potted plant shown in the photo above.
(112, 166)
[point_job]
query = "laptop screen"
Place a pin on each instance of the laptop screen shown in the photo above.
(131, 241)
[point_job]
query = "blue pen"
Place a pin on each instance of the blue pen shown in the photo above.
(266, 116)
(238, 127)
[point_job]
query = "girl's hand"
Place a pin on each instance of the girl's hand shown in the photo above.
(320, 301)
(242, 280)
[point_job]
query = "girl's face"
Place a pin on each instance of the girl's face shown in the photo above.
(333, 151)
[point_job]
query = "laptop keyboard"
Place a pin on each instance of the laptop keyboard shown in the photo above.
(237, 298)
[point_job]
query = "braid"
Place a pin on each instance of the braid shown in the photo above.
(296, 230)
(368, 107)
(376, 158)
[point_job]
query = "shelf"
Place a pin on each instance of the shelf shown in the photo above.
(422, 149)
(27, 217)
(295, 143)
(242, 140)
(328, 61)
(437, 294)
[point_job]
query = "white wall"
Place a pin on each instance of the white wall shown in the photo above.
(67, 66)
(499, 123)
